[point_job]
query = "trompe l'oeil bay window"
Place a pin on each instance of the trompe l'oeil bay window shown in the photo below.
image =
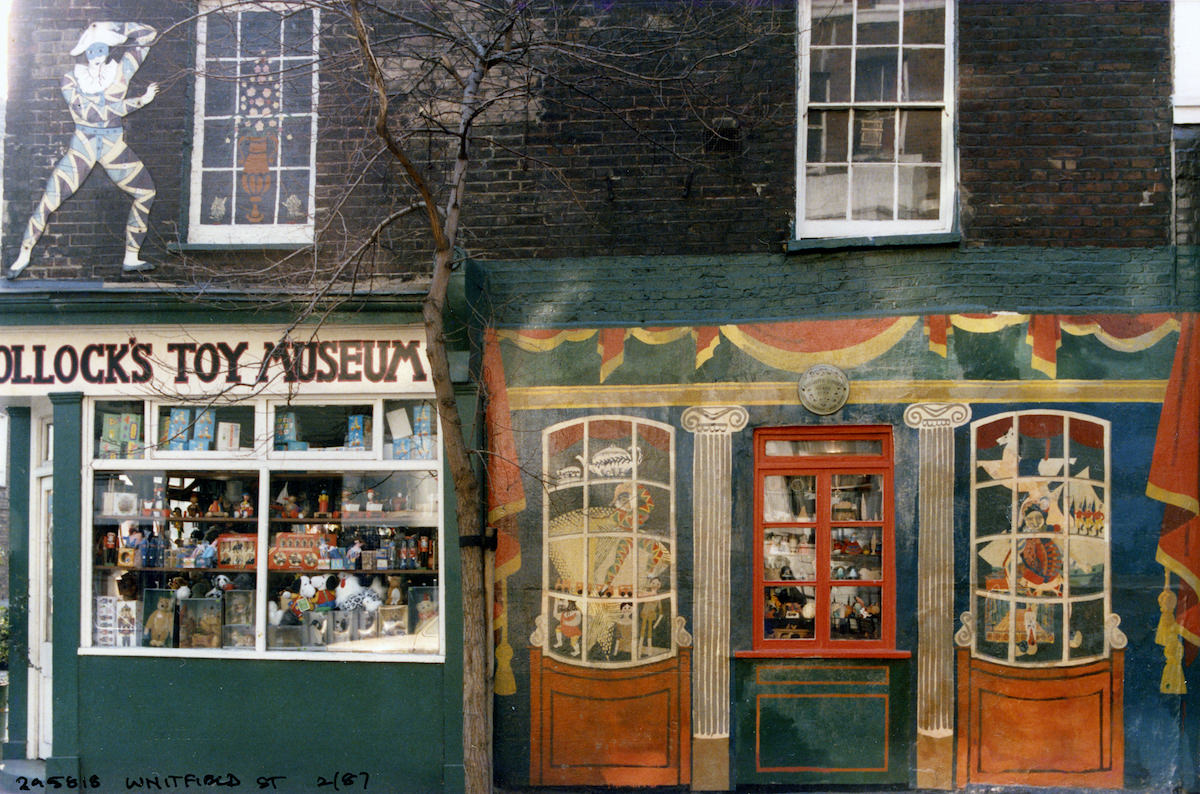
(263, 527)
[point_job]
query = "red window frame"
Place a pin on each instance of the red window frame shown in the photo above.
(824, 467)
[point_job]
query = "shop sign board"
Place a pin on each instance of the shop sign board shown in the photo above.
(232, 361)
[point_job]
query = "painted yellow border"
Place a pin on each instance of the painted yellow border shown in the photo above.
(537, 398)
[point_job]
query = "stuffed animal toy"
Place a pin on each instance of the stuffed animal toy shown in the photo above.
(378, 589)
(159, 624)
(395, 591)
(223, 582)
(325, 599)
(287, 616)
(352, 595)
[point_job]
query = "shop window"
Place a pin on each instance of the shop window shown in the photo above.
(876, 147)
(221, 546)
(1040, 537)
(824, 568)
(255, 123)
(609, 578)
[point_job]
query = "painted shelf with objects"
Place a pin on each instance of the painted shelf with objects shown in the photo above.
(263, 556)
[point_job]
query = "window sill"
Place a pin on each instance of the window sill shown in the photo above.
(880, 241)
(822, 653)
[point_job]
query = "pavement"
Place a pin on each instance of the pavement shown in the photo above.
(11, 770)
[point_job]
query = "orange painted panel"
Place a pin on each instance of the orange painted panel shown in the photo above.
(590, 731)
(1018, 738)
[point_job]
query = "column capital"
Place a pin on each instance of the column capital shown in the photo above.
(926, 416)
(715, 419)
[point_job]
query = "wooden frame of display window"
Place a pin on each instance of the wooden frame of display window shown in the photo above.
(828, 536)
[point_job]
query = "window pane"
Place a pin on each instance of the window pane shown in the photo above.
(120, 429)
(995, 636)
(872, 193)
(875, 137)
(220, 35)
(1086, 629)
(923, 75)
(789, 555)
(856, 554)
(924, 25)
(298, 36)
(216, 188)
(202, 428)
(789, 498)
(828, 136)
(409, 430)
(260, 34)
(566, 565)
(611, 627)
(1039, 631)
(218, 143)
(300, 428)
(857, 497)
(831, 21)
(789, 613)
(875, 74)
(829, 75)
(1085, 511)
(920, 192)
(825, 192)
(297, 87)
(1087, 449)
(220, 81)
(824, 447)
(1039, 566)
(993, 510)
(878, 22)
(854, 613)
(920, 136)
(1086, 569)
(654, 629)
(295, 197)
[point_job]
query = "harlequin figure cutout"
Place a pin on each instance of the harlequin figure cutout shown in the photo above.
(95, 93)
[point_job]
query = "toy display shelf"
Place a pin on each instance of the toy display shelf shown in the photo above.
(409, 518)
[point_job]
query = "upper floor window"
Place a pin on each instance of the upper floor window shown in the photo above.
(824, 567)
(875, 146)
(253, 153)
(1185, 29)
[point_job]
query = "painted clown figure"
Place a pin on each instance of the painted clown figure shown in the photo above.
(95, 93)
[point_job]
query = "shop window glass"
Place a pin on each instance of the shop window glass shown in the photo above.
(1041, 537)
(609, 592)
(262, 557)
(120, 429)
(194, 429)
(824, 576)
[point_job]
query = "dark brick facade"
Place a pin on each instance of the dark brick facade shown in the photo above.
(1065, 122)
(1063, 125)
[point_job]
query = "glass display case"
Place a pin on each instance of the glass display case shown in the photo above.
(219, 545)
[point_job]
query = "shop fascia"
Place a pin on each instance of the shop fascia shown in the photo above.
(241, 361)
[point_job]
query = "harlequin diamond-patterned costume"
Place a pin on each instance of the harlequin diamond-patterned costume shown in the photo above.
(95, 93)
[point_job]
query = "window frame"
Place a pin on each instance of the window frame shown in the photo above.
(824, 467)
(200, 233)
(1185, 28)
(846, 227)
(263, 462)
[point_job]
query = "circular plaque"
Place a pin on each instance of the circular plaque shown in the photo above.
(824, 389)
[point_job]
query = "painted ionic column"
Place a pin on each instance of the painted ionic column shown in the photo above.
(712, 528)
(935, 423)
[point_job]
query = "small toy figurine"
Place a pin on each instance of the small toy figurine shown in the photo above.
(215, 509)
(110, 548)
(193, 508)
(290, 507)
(245, 508)
(323, 502)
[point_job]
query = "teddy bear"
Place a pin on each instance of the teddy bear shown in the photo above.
(160, 623)
(395, 590)
(325, 598)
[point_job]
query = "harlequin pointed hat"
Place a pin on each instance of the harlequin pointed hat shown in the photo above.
(103, 32)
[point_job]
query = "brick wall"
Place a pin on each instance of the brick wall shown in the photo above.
(1064, 133)
(1065, 122)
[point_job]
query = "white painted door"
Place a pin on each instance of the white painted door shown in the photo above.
(41, 613)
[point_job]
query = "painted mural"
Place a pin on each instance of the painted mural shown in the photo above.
(96, 95)
(1045, 521)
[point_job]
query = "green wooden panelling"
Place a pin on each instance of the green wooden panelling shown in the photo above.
(18, 581)
(64, 549)
(827, 721)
